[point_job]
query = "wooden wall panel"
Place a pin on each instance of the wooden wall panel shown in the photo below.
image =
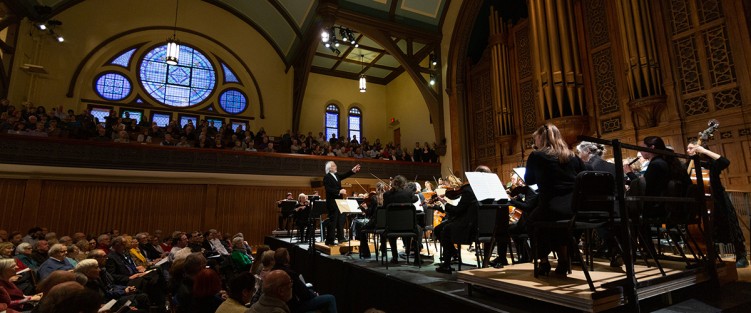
(11, 203)
(95, 207)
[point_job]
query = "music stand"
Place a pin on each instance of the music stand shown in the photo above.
(319, 207)
(312, 198)
(288, 207)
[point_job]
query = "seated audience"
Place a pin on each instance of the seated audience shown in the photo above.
(240, 290)
(56, 261)
(107, 290)
(277, 290)
(16, 299)
(303, 299)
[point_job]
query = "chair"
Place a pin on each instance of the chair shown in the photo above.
(401, 221)
(380, 226)
(487, 217)
(593, 206)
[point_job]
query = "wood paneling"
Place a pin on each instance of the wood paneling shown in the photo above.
(95, 207)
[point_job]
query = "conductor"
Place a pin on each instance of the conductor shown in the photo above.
(333, 184)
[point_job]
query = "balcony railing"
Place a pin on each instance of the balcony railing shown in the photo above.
(29, 150)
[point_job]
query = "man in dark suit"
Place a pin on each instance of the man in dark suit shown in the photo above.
(333, 184)
(123, 270)
(399, 193)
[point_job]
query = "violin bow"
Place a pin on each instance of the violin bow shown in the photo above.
(384, 183)
(363, 188)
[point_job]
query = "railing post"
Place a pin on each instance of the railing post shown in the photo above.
(629, 288)
(711, 264)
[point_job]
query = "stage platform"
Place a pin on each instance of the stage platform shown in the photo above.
(573, 291)
(360, 284)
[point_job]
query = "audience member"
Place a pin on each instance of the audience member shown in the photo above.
(277, 290)
(56, 261)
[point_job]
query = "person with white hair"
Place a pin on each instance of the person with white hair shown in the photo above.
(332, 181)
(23, 256)
(109, 291)
(15, 297)
(591, 154)
(56, 261)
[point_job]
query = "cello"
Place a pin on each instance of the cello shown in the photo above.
(695, 231)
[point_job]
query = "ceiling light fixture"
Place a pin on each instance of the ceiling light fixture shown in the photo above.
(173, 45)
(328, 36)
(49, 27)
(363, 81)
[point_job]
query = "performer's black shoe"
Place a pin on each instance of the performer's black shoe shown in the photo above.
(329, 243)
(444, 268)
(394, 261)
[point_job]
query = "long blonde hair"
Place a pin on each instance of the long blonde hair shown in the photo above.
(553, 143)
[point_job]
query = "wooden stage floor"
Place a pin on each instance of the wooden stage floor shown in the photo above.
(573, 292)
(513, 288)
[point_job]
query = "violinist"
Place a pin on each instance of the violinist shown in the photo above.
(282, 220)
(524, 199)
(370, 206)
(302, 213)
(461, 219)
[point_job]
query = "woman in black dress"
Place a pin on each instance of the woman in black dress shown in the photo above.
(726, 228)
(553, 167)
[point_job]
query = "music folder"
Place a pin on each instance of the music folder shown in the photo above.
(347, 206)
(521, 171)
(486, 186)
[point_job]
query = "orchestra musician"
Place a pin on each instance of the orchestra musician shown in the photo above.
(333, 185)
(399, 193)
(553, 167)
(591, 154)
(726, 227)
(369, 207)
(302, 213)
(524, 199)
(461, 219)
(282, 220)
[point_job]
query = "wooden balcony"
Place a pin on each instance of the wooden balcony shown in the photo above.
(29, 150)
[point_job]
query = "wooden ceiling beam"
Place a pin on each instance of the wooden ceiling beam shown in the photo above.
(348, 75)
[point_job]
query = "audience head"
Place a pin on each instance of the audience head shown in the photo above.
(23, 248)
(6, 249)
(99, 255)
(278, 284)
(16, 238)
(194, 263)
(119, 244)
(104, 240)
(267, 259)
(89, 268)
(55, 278)
(7, 268)
(238, 243)
(281, 257)
(57, 251)
(69, 297)
(241, 287)
(588, 149)
(206, 283)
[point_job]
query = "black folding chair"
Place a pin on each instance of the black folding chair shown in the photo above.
(401, 221)
(593, 205)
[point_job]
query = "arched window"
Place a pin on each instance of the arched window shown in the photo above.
(332, 121)
(355, 123)
(112, 86)
(186, 84)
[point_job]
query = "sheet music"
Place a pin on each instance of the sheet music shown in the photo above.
(521, 171)
(486, 186)
(418, 205)
(348, 206)
(162, 261)
(108, 306)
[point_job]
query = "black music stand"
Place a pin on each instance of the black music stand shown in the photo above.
(319, 207)
(288, 207)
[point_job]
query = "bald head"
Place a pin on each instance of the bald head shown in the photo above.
(278, 284)
(483, 169)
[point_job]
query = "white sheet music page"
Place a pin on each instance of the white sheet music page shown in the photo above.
(486, 186)
(348, 206)
(418, 205)
(521, 171)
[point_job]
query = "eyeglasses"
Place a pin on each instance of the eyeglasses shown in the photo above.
(100, 257)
